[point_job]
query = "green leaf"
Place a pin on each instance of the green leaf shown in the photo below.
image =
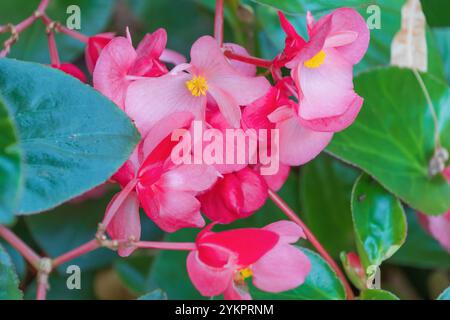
(420, 249)
(70, 226)
(9, 282)
(72, 137)
(32, 44)
(444, 295)
(442, 36)
(377, 294)
(325, 192)
(135, 273)
(16, 258)
(436, 12)
(379, 222)
(392, 138)
(157, 294)
(320, 284)
(10, 166)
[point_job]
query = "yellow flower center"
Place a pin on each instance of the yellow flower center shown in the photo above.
(316, 61)
(242, 274)
(197, 86)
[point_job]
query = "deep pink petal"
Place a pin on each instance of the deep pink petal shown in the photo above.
(283, 268)
(110, 73)
(126, 223)
(152, 99)
(71, 70)
(189, 177)
(335, 123)
(249, 244)
(299, 145)
(276, 181)
(209, 281)
(288, 231)
(438, 227)
(94, 47)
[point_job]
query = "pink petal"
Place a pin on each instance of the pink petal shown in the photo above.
(227, 105)
(189, 177)
(173, 57)
(438, 227)
(335, 123)
(276, 181)
(234, 292)
(170, 210)
(209, 281)
(126, 223)
(299, 145)
(288, 231)
(152, 99)
(94, 47)
(245, 69)
(326, 91)
(249, 244)
(112, 68)
(282, 268)
(346, 22)
(152, 45)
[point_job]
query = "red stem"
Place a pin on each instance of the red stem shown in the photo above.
(75, 253)
(310, 236)
(166, 245)
(218, 22)
(248, 59)
(42, 285)
(20, 246)
(74, 34)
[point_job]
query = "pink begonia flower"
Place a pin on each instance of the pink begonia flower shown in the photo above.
(167, 192)
(323, 69)
(297, 144)
(119, 64)
(187, 87)
(439, 226)
(94, 47)
(236, 195)
(245, 69)
(71, 70)
(224, 260)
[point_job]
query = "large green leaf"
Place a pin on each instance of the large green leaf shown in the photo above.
(10, 166)
(325, 192)
(72, 137)
(420, 249)
(32, 45)
(157, 294)
(444, 295)
(442, 36)
(436, 12)
(379, 221)
(320, 284)
(392, 139)
(9, 282)
(377, 294)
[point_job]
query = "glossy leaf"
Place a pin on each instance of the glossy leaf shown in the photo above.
(9, 282)
(377, 294)
(442, 36)
(393, 137)
(320, 284)
(325, 192)
(444, 295)
(73, 138)
(157, 294)
(10, 166)
(420, 249)
(379, 222)
(32, 45)
(436, 12)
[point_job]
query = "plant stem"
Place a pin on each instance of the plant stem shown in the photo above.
(166, 245)
(42, 285)
(75, 253)
(248, 59)
(218, 22)
(20, 246)
(310, 236)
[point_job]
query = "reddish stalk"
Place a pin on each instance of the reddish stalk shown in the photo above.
(20, 246)
(75, 253)
(218, 22)
(310, 236)
(166, 245)
(73, 34)
(42, 285)
(248, 59)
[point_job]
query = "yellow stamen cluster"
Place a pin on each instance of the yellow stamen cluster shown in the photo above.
(197, 86)
(316, 61)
